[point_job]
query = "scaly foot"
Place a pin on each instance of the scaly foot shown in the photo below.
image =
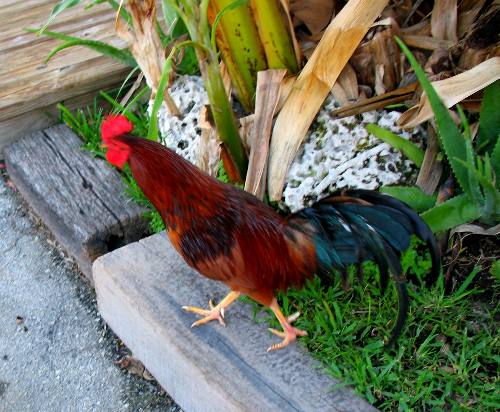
(215, 312)
(289, 333)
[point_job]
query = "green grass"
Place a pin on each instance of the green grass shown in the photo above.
(447, 358)
(87, 124)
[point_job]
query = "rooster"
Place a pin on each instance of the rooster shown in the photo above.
(229, 235)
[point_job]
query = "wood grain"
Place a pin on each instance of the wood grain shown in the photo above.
(140, 290)
(27, 85)
(80, 198)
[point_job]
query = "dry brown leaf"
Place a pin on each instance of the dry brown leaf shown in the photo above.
(416, 4)
(246, 131)
(132, 90)
(313, 84)
(378, 102)
(467, 14)
(208, 152)
(363, 65)
(453, 90)
(430, 172)
(426, 42)
(444, 20)
(285, 90)
(135, 367)
(349, 82)
(315, 14)
(439, 61)
(379, 79)
(477, 230)
(339, 94)
(266, 101)
(145, 45)
(385, 54)
(472, 57)
(422, 28)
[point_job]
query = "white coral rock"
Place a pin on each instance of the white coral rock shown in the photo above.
(336, 153)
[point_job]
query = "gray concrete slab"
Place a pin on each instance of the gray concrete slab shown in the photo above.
(55, 352)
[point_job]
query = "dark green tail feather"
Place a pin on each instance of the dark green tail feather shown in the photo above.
(359, 225)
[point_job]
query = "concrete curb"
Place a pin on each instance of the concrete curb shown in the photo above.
(140, 290)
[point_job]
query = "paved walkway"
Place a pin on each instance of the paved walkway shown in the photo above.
(55, 352)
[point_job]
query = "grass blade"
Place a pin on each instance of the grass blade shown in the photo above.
(165, 75)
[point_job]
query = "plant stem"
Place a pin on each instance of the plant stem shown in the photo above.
(225, 122)
(223, 115)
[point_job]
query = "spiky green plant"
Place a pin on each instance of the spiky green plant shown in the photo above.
(475, 168)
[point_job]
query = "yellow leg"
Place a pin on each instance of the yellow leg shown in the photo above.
(289, 333)
(215, 312)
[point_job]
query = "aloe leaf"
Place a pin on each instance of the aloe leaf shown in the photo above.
(100, 47)
(54, 34)
(489, 120)
(411, 195)
(58, 9)
(116, 6)
(453, 212)
(464, 121)
(449, 134)
(123, 55)
(478, 176)
(474, 188)
(491, 203)
(495, 161)
(176, 29)
(409, 149)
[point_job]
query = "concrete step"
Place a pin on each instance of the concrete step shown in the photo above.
(140, 290)
(80, 198)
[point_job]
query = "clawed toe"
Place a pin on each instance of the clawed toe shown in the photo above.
(214, 313)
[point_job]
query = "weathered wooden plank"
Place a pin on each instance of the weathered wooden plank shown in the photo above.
(79, 198)
(27, 85)
(140, 290)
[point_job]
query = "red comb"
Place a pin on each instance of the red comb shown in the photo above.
(115, 125)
